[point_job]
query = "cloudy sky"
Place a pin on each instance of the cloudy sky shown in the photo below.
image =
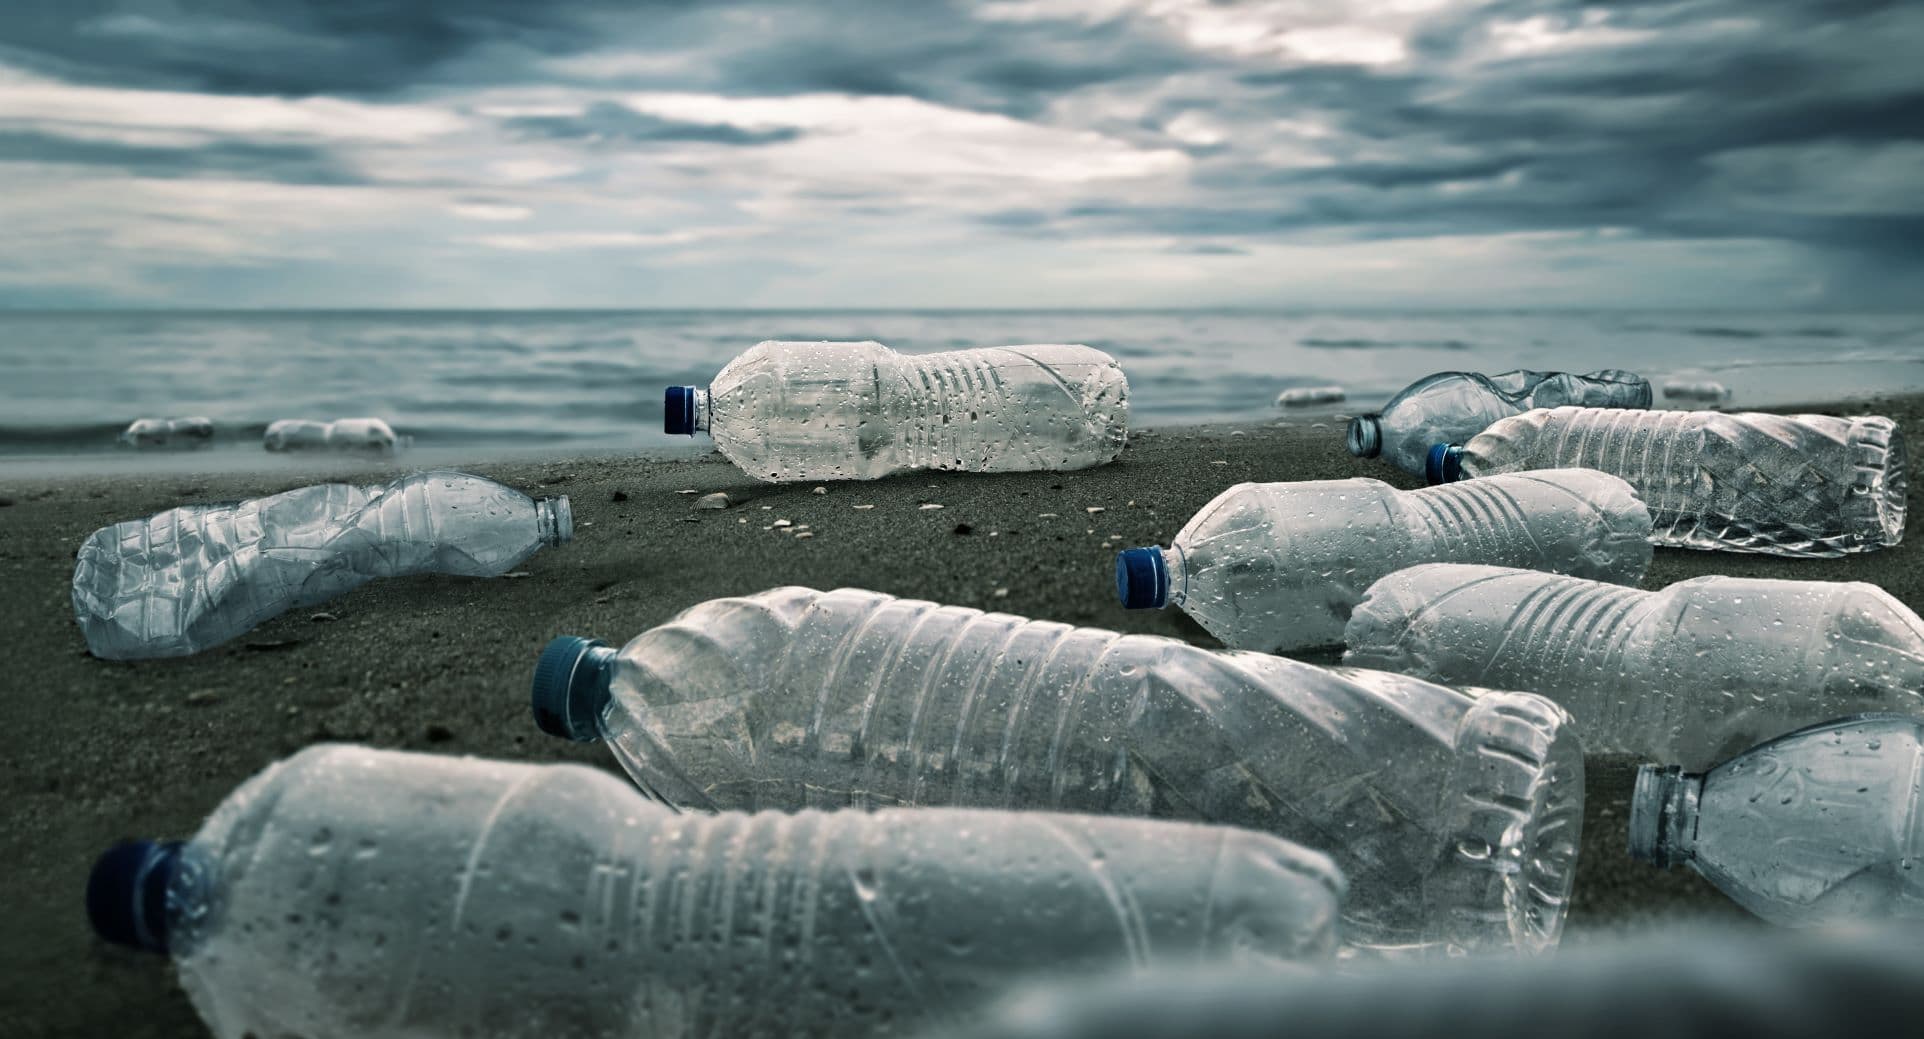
(1048, 153)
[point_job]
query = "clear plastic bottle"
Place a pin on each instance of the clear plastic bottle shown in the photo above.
(371, 435)
(1788, 485)
(857, 411)
(1690, 674)
(196, 576)
(1454, 815)
(1451, 407)
(1822, 826)
(169, 433)
(1278, 566)
(352, 892)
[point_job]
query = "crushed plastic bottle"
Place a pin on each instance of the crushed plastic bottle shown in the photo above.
(1697, 390)
(858, 411)
(1305, 396)
(1451, 407)
(196, 576)
(1454, 815)
(168, 433)
(1787, 485)
(1822, 826)
(352, 892)
(1677, 982)
(1690, 674)
(1278, 566)
(371, 435)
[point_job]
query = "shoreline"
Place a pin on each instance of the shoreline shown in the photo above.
(98, 751)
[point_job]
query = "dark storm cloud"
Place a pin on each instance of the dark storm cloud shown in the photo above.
(609, 123)
(282, 163)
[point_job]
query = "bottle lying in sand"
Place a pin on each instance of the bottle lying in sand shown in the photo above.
(1278, 566)
(371, 435)
(1822, 826)
(196, 576)
(1305, 396)
(168, 433)
(1451, 407)
(1454, 815)
(1687, 675)
(351, 892)
(1787, 485)
(858, 411)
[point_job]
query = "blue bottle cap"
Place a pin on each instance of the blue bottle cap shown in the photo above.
(1444, 464)
(127, 893)
(571, 687)
(1142, 579)
(678, 411)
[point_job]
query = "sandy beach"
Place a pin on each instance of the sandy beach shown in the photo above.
(97, 751)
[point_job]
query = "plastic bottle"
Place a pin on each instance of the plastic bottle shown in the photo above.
(196, 576)
(351, 892)
(1278, 566)
(1788, 485)
(1822, 826)
(1690, 674)
(170, 433)
(857, 411)
(371, 435)
(1677, 982)
(1454, 815)
(1305, 396)
(1451, 407)
(1698, 390)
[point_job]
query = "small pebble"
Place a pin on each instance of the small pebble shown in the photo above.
(964, 528)
(804, 534)
(1093, 509)
(688, 490)
(819, 490)
(1219, 462)
(780, 523)
(1046, 515)
(202, 697)
(618, 496)
(931, 505)
(864, 506)
(323, 617)
(717, 500)
(1001, 593)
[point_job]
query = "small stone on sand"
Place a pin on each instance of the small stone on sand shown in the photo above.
(819, 490)
(717, 500)
(1093, 509)
(931, 505)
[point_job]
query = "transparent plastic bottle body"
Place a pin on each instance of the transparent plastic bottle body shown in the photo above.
(168, 433)
(1688, 675)
(196, 576)
(1454, 816)
(352, 892)
(370, 435)
(857, 411)
(1278, 566)
(1821, 826)
(1452, 407)
(1788, 485)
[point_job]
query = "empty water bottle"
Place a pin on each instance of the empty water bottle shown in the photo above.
(171, 433)
(1455, 816)
(371, 435)
(858, 411)
(1821, 826)
(1698, 390)
(1688, 675)
(351, 892)
(1451, 407)
(1278, 566)
(1788, 485)
(1305, 396)
(196, 576)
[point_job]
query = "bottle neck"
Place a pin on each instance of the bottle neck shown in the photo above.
(1365, 436)
(700, 407)
(1663, 815)
(554, 521)
(1175, 564)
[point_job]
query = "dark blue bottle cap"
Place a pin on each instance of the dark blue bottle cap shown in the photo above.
(127, 893)
(678, 411)
(571, 687)
(1444, 464)
(1142, 579)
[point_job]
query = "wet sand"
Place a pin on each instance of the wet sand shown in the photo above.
(97, 751)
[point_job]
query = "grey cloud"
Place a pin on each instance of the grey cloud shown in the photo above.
(285, 163)
(609, 123)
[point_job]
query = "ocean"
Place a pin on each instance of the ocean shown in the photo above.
(483, 383)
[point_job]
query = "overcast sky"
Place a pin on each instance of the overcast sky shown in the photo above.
(856, 153)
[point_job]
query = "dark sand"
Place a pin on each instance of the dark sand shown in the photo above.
(98, 751)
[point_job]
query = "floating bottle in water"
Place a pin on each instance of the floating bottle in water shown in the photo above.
(857, 411)
(169, 433)
(1787, 485)
(1688, 675)
(1451, 407)
(196, 576)
(1278, 566)
(351, 892)
(371, 435)
(1822, 826)
(1306, 396)
(1454, 815)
